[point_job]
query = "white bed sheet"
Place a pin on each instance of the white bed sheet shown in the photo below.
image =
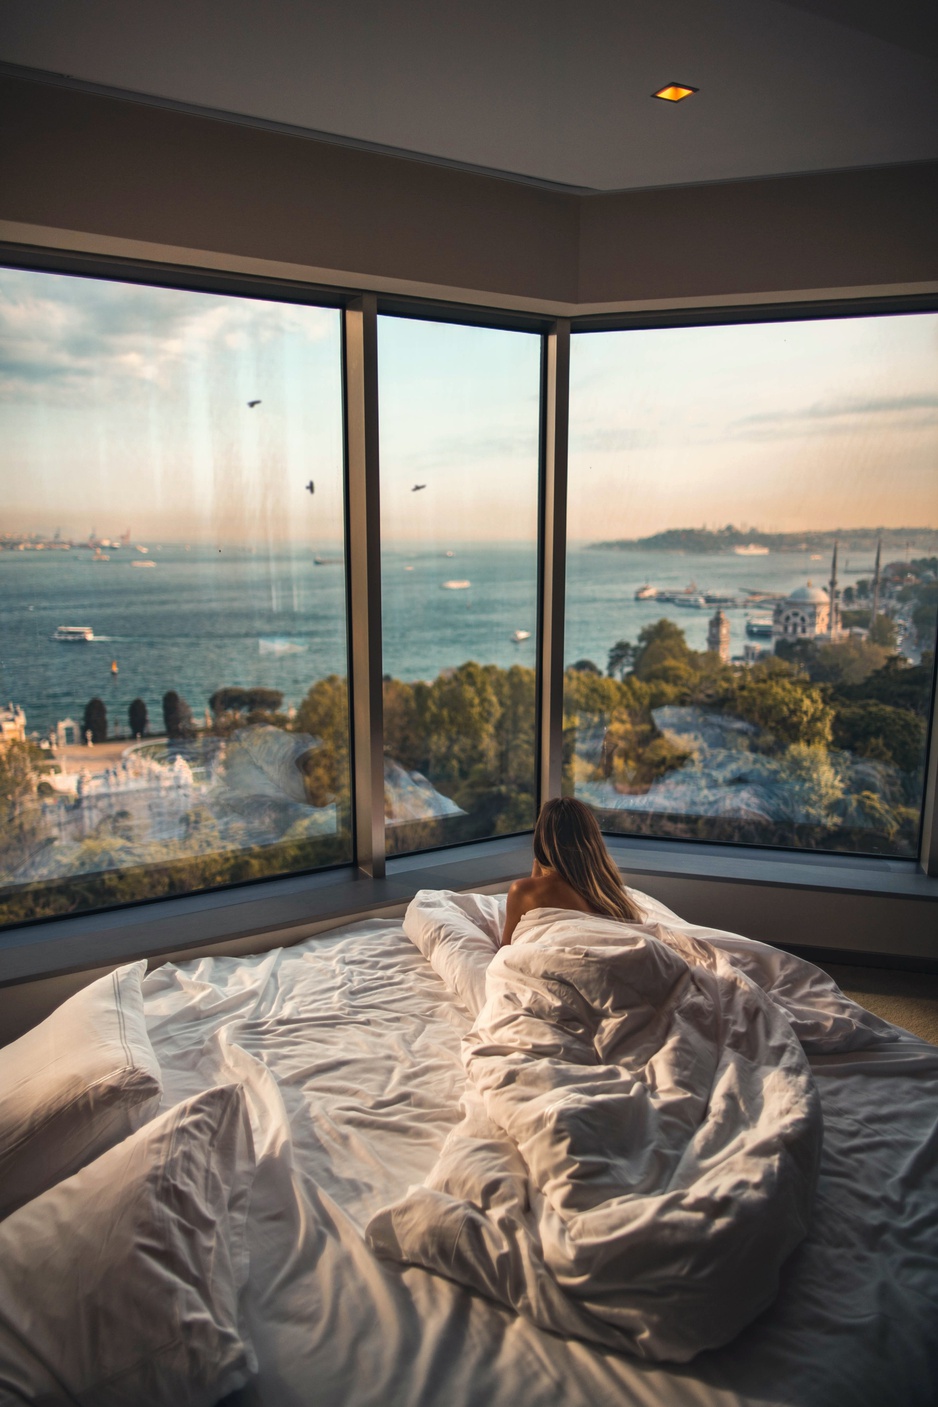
(348, 1047)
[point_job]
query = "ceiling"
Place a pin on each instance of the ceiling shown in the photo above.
(548, 90)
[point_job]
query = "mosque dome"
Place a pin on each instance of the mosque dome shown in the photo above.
(811, 594)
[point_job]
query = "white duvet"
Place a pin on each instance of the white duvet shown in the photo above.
(641, 1132)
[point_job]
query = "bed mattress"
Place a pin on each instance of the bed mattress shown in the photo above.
(348, 1047)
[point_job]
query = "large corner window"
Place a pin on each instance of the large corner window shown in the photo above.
(753, 580)
(459, 484)
(173, 633)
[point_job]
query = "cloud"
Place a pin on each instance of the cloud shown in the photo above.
(840, 416)
(62, 335)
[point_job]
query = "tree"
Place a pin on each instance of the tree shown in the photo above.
(177, 716)
(620, 659)
(663, 654)
(877, 730)
(847, 661)
(585, 667)
(95, 721)
(789, 711)
(327, 768)
(883, 632)
(137, 718)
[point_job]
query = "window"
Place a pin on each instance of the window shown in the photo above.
(753, 580)
(459, 483)
(173, 633)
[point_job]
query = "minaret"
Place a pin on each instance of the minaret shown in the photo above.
(833, 624)
(875, 612)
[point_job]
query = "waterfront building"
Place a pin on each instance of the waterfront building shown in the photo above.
(12, 726)
(718, 636)
(810, 612)
(67, 733)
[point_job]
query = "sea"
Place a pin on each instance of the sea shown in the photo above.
(197, 618)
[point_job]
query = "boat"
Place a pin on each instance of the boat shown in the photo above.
(74, 634)
(759, 627)
(694, 602)
(143, 564)
(520, 635)
(751, 549)
(113, 666)
(328, 561)
(646, 593)
(456, 585)
(100, 556)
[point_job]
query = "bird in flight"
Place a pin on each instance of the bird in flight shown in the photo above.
(417, 487)
(310, 487)
(252, 404)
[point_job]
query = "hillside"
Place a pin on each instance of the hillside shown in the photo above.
(706, 540)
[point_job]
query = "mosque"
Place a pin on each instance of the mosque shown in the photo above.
(810, 612)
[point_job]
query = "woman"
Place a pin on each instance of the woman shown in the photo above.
(572, 869)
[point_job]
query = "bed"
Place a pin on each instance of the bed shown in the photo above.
(348, 1049)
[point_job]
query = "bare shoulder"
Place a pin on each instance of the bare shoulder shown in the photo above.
(524, 889)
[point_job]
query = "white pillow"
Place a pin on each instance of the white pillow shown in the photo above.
(77, 1083)
(119, 1287)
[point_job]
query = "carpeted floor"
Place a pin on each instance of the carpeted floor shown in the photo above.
(909, 999)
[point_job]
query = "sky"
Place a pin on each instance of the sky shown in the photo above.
(125, 406)
(780, 426)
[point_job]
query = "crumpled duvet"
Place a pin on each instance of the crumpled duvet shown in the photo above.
(641, 1129)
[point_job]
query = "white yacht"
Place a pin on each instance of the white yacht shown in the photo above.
(518, 636)
(74, 634)
(456, 585)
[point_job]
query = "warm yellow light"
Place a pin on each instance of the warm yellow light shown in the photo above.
(674, 92)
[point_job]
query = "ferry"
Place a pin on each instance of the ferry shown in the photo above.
(646, 593)
(759, 627)
(518, 636)
(694, 602)
(74, 634)
(751, 549)
(456, 585)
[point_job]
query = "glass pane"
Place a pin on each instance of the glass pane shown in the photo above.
(753, 581)
(459, 478)
(172, 642)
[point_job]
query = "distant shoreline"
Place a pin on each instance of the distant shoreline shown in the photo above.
(727, 540)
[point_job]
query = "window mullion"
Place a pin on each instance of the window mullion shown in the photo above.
(364, 581)
(928, 855)
(555, 411)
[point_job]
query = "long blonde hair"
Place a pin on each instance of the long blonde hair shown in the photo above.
(568, 841)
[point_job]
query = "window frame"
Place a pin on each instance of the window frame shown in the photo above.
(139, 927)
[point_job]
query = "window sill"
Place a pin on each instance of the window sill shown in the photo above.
(868, 909)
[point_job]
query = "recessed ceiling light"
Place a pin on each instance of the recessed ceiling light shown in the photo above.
(674, 92)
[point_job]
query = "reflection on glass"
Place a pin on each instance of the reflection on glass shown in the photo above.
(172, 642)
(459, 472)
(753, 581)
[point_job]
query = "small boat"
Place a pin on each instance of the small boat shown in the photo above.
(113, 666)
(519, 636)
(456, 585)
(74, 634)
(694, 602)
(751, 549)
(408, 569)
(646, 593)
(141, 548)
(100, 556)
(449, 554)
(328, 561)
(143, 564)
